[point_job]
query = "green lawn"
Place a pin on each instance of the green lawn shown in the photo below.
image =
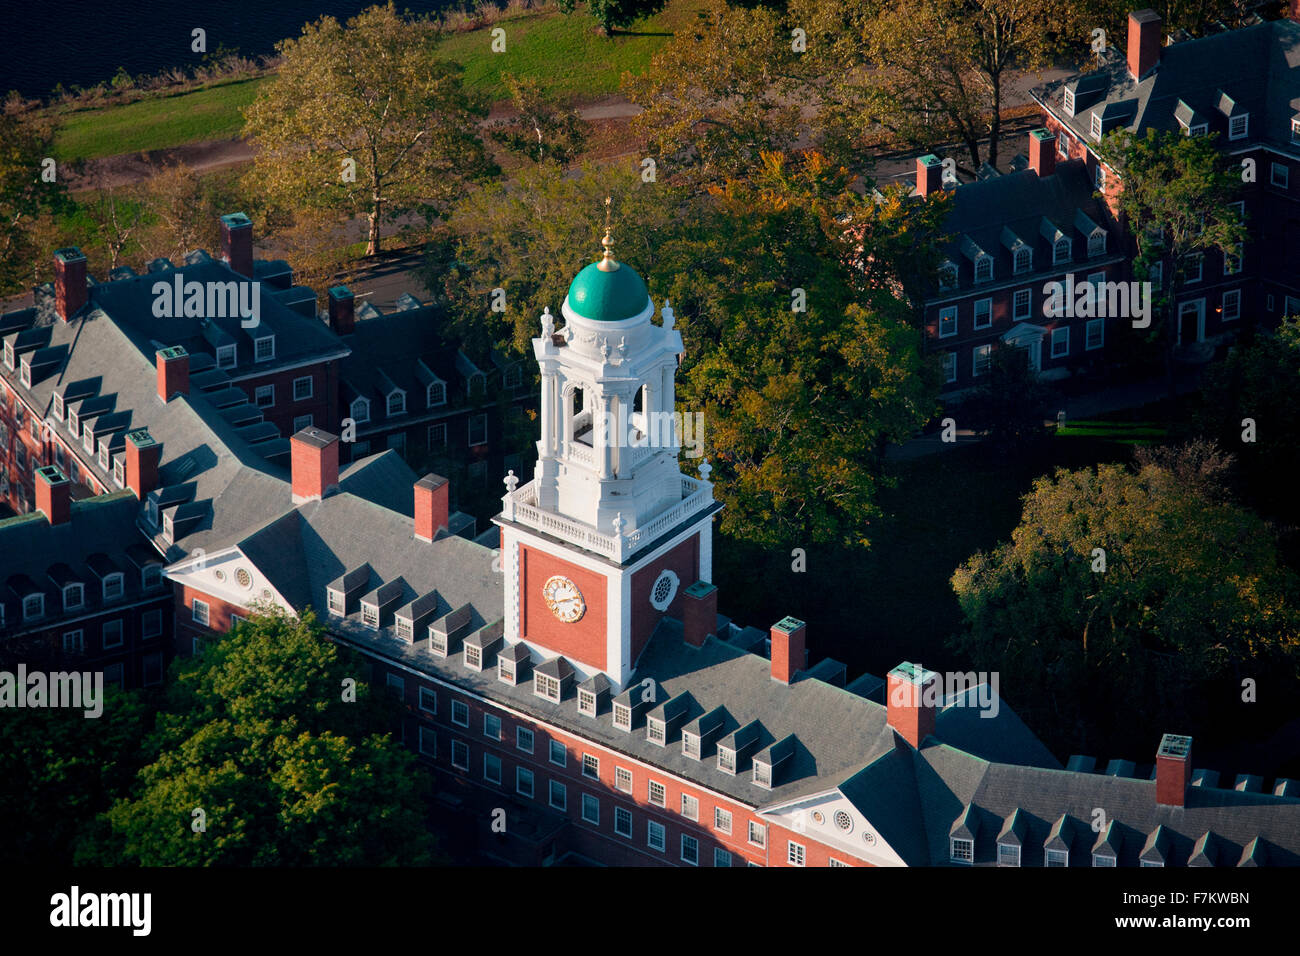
(157, 123)
(563, 52)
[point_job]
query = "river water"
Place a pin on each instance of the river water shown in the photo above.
(81, 42)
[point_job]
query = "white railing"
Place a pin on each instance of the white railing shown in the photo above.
(521, 505)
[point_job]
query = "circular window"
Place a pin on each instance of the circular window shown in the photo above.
(818, 817)
(664, 590)
(221, 575)
(844, 821)
(868, 836)
(266, 593)
(244, 578)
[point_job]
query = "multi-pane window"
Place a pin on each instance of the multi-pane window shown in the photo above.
(1101, 859)
(200, 609)
(623, 821)
(981, 359)
(949, 370)
(1060, 341)
(656, 837)
(113, 586)
(395, 685)
(396, 403)
(1057, 858)
(587, 703)
(460, 713)
(559, 795)
(623, 779)
(983, 313)
(74, 596)
(722, 820)
(524, 781)
(1279, 175)
(656, 731)
(360, 410)
(428, 742)
(984, 269)
(438, 435)
(264, 396)
(428, 700)
(1022, 303)
(757, 834)
(721, 857)
(151, 624)
(795, 854)
(74, 642)
(963, 851)
(656, 793)
(478, 430)
(492, 726)
(726, 760)
(460, 755)
(947, 321)
(690, 850)
(545, 686)
(1238, 126)
(1232, 261)
(302, 388)
(1097, 242)
(1008, 855)
(591, 766)
(112, 634)
(690, 807)
(1095, 334)
(524, 739)
(1061, 251)
(226, 356)
(559, 755)
(1231, 305)
(622, 717)
(947, 276)
(1024, 259)
(264, 348)
(590, 809)
(492, 768)
(435, 394)
(336, 602)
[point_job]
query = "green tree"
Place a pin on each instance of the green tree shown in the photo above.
(539, 130)
(256, 732)
(1132, 597)
(365, 120)
(26, 141)
(1176, 198)
(612, 14)
(1009, 401)
(58, 769)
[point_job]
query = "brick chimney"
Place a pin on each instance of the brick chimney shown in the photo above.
(143, 456)
(314, 460)
(432, 506)
(929, 174)
(342, 310)
(911, 701)
(69, 282)
(788, 654)
(699, 613)
(1143, 42)
(237, 242)
(1173, 770)
(173, 372)
(53, 494)
(1042, 151)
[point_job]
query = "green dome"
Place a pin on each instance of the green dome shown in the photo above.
(608, 296)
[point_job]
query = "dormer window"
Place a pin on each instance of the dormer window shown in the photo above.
(1061, 252)
(948, 276)
(9, 356)
(587, 703)
(25, 375)
(336, 601)
(963, 851)
(103, 455)
(514, 376)
(726, 760)
(546, 687)
(762, 775)
(505, 670)
(622, 716)
(74, 426)
(1238, 126)
(119, 473)
(226, 356)
(404, 631)
(396, 403)
(264, 348)
(1099, 177)
(1295, 129)
(984, 268)
(360, 409)
(1095, 127)
(1008, 854)
(74, 596)
(477, 383)
(436, 394)
(1057, 858)
(691, 746)
(370, 616)
(1199, 129)
(88, 439)
(113, 586)
(1097, 243)
(1068, 103)
(1024, 259)
(33, 607)
(656, 731)
(1102, 859)
(473, 657)
(150, 577)
(56, 409)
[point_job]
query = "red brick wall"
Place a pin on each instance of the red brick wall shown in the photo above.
(684, 561)
(187, 628)
(322, 406)
(585, 639)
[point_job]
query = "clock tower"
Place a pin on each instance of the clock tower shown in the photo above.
(610, 532)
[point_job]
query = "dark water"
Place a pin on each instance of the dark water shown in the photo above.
(81, 42)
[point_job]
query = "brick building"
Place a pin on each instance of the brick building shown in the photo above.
(571, 669)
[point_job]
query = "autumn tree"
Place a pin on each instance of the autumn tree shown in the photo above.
(365, 120)
(26, 195)
(272, 734)
(1132, 597)
(539, 129)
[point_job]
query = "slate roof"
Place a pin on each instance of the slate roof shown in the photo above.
(1254, 69)
(98, 528)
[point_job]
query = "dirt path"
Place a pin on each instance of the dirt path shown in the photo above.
(130, 168)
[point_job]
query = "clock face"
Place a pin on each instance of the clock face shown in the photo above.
(564, 599)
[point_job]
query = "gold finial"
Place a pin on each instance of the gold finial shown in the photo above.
(607, 262)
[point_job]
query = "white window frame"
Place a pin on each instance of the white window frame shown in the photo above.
(1067, 101)
(693, 858)
(591, 766)
(1295, 129)
(488, 721)
(623, 779)
(310, 388)
(115, 624)
(522, 734)
(1002, 849)
(461, 708)
(946, 315)
(690, 806)
(1236, 305)
(400, 396)
(796, 854)
(722, 820)
(1233, 131)
(481, 421)
(363, 416)
(459, 746)
(1097, 243)
(985, 305)
(264, 396)
(201, 617)
(1017, 314)
(721, 857)
(987, 351)
(656, 836)
(558, 747)
(227, 356)
(1199, 258)
(1094, 126)
(757, 835)
(489, 760)
(653, 786)
(261, 354)
(522, 774)
(1028, 255)
(1099, 177)
(1098, 857)
(554, 787)
(1059, 256)
(1062, 855)
(949, 367)
(984, 263)
(590, 800)
(429, 394)
(80, 588)
(1099, 325)
(961, 843)
(74, 642)
(1279, 175)
(303, 421)
(1065, 338)
(428, 700)
(623, 813)
(546, 687)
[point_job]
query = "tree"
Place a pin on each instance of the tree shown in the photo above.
(719, 94)
(184, 208)
(367, 121)
(1133, 597)
(539, 130)
(1009, 401)
(58, 769)
(611, 14)
(257, 734)
(1176, 198)
(26, 142)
